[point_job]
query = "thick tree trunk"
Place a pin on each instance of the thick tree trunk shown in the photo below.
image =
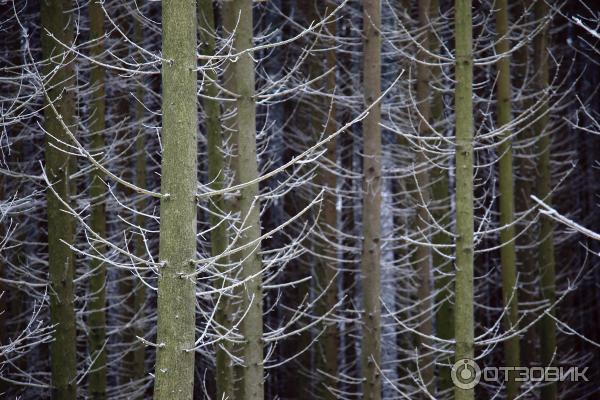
(544, 185)
(97, 289)
(371, 250)
(57, 20)
(463, 315)
(507, 234)
(218, 235)
(252, 324)
(174, 369)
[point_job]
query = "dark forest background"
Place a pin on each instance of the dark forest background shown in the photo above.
(311, 194)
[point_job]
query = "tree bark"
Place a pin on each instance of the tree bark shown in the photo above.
(463, 315)
(57, 20)
(216, 173)
(97, 289)
(229, 23)
(327, 346)
(505, 166)
(423, 253)
(139, 300)
(247, 171)
(544, 187)
(371, 250)
(440, 191)
(523, 190)
(174, 369)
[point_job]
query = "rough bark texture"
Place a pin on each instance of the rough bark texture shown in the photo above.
(176, 290)
(97, 289)
(218, 235)
(544, 183)
(463, 315)
(252, 325)
(505, 166)
(56, 19)
(371, 250)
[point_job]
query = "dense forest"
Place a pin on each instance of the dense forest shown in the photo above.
(313, 199)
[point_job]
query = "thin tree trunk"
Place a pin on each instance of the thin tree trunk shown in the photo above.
(218, 235)
(126, 280)
(310, 382)
(350, 273)
(523, 190)
(423, 253)
(56, 19)
(404, 254)
(463, 315)
(327, 357)
(371, 250)
(444, 318)
(97, 289)
(546, 232)
(4, 386)
(229, 17)
(174, 369)
(139, 300)
(507, 234)
(252, 324)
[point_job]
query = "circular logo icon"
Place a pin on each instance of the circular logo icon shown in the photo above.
(465, 374)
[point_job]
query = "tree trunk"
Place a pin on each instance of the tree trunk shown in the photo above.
(229, 17)
(347, 143)
(176, 289)
(507, 234)
(327, 346)
(97, 289)
(523, 190)
(371, 250)
(139, 300)
(329, 353)
(440, 191)
(251, 326)
(544, 184)
(57, 20)
(218, 235)
(423, 253)
(463, 315)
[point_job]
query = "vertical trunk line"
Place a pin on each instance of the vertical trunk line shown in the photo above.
(505, 165)
(423, 253)
(97, 284)
(174, 369)
(371, 249)
(252, 324)
(63, 353)
(216, 174)
(544, 184)
(463, 316)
